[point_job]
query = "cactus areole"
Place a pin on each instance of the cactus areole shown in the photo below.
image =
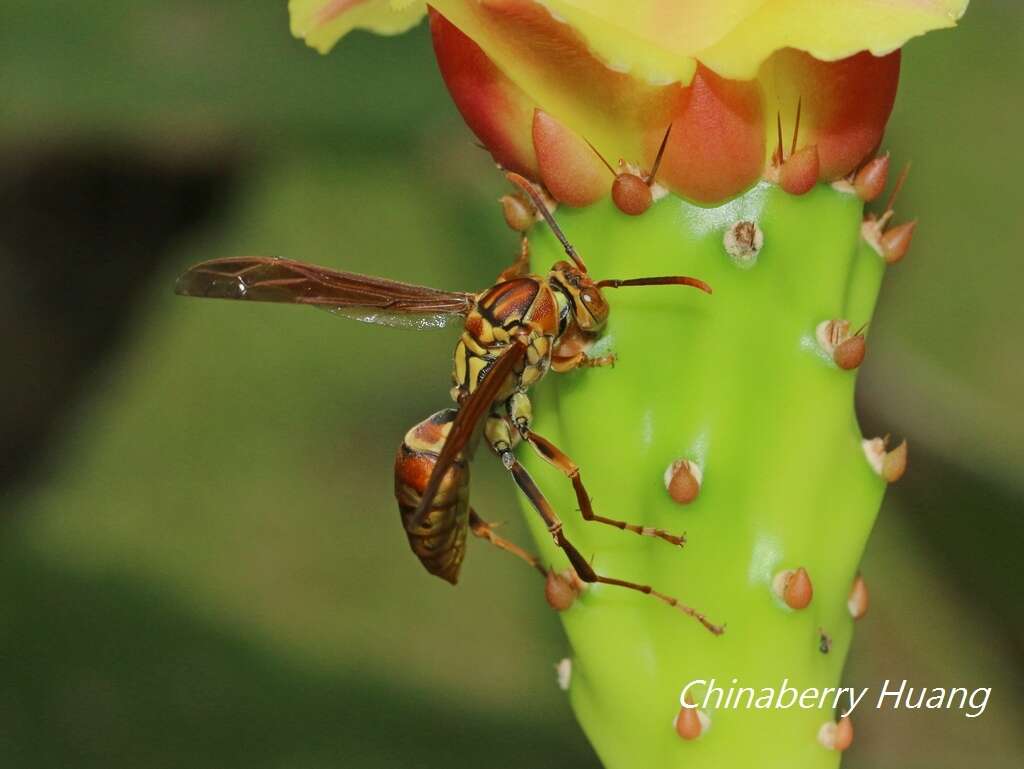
(738, 142)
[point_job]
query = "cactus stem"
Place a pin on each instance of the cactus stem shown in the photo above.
(683, 480)
(858, 601)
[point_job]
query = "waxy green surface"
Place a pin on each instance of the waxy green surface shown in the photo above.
(736, 382)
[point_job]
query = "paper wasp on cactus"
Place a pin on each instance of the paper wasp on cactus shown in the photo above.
(514, 332)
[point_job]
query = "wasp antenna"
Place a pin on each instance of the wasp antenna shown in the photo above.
(796, 125)
(658, 157)
(606, 163)
(897, 187)
(668, 280)
(530, 190)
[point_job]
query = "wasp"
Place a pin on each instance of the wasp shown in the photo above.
(513, 334)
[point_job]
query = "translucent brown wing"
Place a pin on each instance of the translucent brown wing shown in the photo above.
(362, 297)
(472, 410)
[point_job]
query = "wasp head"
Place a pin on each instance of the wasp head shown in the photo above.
(586, 302)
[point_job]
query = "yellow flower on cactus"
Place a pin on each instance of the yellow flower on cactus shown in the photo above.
(733, 418)
(536, 81)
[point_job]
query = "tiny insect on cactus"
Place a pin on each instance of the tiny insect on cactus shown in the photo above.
(739, 157)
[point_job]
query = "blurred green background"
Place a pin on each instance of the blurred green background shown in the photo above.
(201, 563)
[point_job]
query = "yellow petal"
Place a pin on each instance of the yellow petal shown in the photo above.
(660, 39)
(322, 23)
(827, 30)
(653, 39)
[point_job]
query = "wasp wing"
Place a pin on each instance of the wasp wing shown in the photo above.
(471, 411)
(362, 297)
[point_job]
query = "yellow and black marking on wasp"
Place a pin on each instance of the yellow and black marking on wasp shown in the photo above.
(513, 333)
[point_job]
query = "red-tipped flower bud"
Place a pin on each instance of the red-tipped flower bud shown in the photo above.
(799, 172)
(631, 194)
(896, 241)
(870, 180)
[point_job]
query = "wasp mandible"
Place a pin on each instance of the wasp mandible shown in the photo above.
(513, 333)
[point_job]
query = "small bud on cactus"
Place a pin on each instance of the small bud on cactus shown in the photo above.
(631, 194)
(835, 735)
(857, 603)
(691, 722)
(890, 465)
(799, 172)
(561, 589)
(895, 242)
(846, 350)
(849, 354)
(519, 215)
(794, 588)
(894, 464)
(683, 479)
(870, 180)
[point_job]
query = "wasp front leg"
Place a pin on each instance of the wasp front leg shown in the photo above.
(571, 353)
(501, 437)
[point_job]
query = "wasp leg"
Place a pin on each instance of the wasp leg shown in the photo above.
(570, 352)
(483, 530)
(551, 454)
(560, 365)
(521, 266)
(580, 564)
(520, 413)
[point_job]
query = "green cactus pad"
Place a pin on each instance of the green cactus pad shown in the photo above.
(737, 383)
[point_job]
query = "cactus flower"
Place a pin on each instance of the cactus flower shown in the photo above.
(734, 140)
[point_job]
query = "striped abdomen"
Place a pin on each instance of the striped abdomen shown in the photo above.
(439, 541)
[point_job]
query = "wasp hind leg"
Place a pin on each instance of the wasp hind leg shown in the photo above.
(484, 530)
(501, 439)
